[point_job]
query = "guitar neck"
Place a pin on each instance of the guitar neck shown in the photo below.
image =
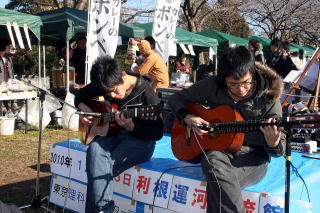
(111, 116)
(253, 125)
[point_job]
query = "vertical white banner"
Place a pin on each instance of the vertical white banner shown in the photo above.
(164, 25)
(102, 37)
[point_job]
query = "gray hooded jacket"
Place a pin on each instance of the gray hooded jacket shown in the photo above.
(261, 104)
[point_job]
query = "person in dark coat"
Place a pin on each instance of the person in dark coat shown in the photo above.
(110, 155)
(253, 90)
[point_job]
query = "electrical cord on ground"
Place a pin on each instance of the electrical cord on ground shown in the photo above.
(155, 193)
(204, 153)
(158, 181)
(296, 171)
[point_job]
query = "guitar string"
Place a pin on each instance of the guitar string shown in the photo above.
(212, 171)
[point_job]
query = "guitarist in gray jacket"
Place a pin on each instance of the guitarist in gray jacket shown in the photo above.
(110, 155)
(253, 90)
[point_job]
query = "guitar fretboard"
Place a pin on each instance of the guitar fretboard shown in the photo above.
(111, 116)
(252, 125)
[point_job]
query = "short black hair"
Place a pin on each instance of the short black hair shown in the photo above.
(235, 62)
(183, 55)
(151, 40)
(255, 43)
(276, 42)
(286, 46)
(3, 43)
(105, 73)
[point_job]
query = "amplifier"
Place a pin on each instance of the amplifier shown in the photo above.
(167, 116)
(300, 147)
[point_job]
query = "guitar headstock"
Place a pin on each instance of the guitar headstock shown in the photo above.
(308, 121)
(149, 112)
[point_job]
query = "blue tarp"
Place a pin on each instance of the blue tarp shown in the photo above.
(273, 183)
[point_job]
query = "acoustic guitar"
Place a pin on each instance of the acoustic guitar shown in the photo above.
(226, 130)
(106, 124)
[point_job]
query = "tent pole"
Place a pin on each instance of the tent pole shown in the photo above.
(68, 66)
(87, 71)
(39, 65)
(44, 66)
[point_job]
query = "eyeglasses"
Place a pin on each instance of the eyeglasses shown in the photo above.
(245, 84)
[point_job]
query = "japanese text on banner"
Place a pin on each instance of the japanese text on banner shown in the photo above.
(104, 16)
(164, 25)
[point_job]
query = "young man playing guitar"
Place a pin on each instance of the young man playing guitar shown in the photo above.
(110, 155)
(253, 90)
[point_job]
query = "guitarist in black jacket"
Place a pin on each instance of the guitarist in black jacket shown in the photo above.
(253, 90)
(108, 156)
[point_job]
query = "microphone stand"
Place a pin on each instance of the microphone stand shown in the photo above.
(36, 200)
(288, 130)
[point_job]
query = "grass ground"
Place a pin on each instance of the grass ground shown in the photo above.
(18, 167)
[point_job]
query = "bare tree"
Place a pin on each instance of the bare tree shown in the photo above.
(293, 20)
(197, 12)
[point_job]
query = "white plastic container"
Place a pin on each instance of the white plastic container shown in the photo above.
(7, 125)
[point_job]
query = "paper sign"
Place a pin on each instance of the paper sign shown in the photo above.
(251, 201)
(188, 195)
(67, 193)
(69, 160)
(123, 184)
(124, 204)
(149, 189)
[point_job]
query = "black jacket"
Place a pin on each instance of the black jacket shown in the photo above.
(281, 63)
(142, 94)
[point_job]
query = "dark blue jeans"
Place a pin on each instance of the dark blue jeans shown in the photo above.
(233, 172)
(107, 157)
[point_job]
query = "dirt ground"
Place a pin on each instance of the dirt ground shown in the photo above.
(18, 167)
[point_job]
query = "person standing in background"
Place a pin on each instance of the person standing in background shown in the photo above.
(78, 57)
(153, 65)
(6, 69)
(254, 47)
(280, 60)
(183, 65)
(152, 42)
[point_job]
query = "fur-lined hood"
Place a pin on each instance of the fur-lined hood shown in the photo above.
(275, 83)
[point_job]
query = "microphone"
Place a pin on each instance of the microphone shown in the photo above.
(206, 127)
(200, 126)
(93, 114)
